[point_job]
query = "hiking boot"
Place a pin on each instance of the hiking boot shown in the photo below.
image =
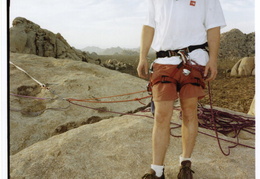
(151, 175)
(185, 170)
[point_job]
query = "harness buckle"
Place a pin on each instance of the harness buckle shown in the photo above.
(149, 88)
(186, 72)
(171, 53)
(183, 54)
(151, 68)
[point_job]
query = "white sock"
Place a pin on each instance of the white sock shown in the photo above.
(158, 170)
(183, 159)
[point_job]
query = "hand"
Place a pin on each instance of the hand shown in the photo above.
(211, 70)
(142, 68)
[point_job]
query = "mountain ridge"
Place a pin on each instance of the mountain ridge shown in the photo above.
(110, 50)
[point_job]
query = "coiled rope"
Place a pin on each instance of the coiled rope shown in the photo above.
(223, 122)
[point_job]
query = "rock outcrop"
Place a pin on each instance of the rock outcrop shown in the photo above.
(29, 38)
(121, 147)
(114, 64)
(33, 120)
(244, 67)
(235, 44)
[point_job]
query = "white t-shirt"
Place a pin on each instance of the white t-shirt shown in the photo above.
(181, 23)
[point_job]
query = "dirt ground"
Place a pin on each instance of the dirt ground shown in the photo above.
(232, 92)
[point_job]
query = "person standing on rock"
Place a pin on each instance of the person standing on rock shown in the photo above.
(185, 35)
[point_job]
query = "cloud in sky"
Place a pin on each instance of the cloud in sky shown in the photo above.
(239, 14)
(237, 5)
(107, 23)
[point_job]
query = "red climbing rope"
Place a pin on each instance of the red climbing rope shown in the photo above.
(71, 99)
(118, 101)
(212, 119)
(104, 110)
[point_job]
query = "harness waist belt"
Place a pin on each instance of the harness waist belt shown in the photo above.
(170, 53)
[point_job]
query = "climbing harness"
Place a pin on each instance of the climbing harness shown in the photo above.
(186, 66)
(170, 53)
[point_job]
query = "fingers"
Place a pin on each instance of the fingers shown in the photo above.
(142, 72)
(146, 71)
(142, 69)
(211, 71)
(206, 71)
(212, 76)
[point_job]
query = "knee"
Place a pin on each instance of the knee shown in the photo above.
(162, 118)
(189, 114)
(163, 113)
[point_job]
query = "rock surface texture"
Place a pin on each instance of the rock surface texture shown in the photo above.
(235, 44)
(33, 120)
(121, 147)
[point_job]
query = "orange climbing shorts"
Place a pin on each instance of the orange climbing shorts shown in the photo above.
(168, 91)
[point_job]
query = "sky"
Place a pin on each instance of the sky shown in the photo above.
(111, 23)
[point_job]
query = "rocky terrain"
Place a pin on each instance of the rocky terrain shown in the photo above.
(52, 138)
(236, 44)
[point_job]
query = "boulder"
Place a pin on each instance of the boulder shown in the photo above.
(244, 67)
(252, 108)
(34, 120)
(29, 38)
(116, 65)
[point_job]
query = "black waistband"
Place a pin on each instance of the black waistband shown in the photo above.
(170, 53)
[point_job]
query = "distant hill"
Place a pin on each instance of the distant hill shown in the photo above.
(236, 44)
(111, 51)
(91, 49)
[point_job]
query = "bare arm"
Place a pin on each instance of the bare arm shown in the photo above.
(146, 41)
(213, 37)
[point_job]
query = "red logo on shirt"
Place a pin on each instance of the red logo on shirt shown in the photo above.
(193, 3)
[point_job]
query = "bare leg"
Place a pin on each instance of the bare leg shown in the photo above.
(161, 130)
(189, 125)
